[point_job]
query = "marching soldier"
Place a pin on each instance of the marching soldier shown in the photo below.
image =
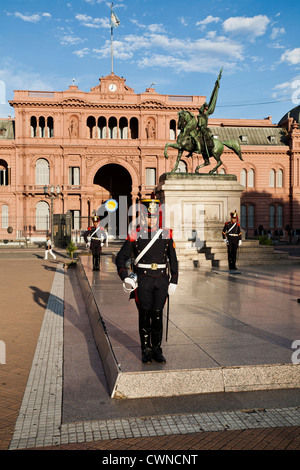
(150, 249)
(94, 238)
(232, 236)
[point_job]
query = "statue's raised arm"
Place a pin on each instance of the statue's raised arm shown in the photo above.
(213, 99)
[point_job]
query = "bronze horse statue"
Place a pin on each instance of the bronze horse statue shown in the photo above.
(185, 143)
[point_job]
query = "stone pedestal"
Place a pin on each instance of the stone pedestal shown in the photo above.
(198, 204)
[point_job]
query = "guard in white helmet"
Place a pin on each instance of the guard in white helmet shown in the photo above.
(150, 248)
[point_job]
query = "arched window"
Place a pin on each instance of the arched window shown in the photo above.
(4, 216)
(42, 216)
(102, 127)
(279, 179)
(134, 128)
(172, 129)
(4, 173)
(42, 126)
(243, 177)
(112, 128)
(247, 216)
(91, 122)
(123, 128)
(272, 178)
(41, 172)
(50, 127)
(250, 178)
(33, 126)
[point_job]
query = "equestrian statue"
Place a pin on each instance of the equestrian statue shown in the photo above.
(196, 137)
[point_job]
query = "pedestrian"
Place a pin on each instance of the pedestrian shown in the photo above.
(150, 248)
(232, 236)
(94, 238)
(49, 249)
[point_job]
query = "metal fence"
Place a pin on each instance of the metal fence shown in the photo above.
(27, 230)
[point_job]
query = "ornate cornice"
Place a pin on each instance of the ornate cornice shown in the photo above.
(78, 103)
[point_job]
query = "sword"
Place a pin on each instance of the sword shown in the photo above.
(168, 311)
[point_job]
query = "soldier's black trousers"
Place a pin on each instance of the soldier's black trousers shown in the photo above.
(151, 293)
(232, 250)
(150, 328)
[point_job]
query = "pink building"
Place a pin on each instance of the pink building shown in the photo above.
(109, 142)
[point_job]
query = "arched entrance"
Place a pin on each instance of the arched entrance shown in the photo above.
(115, 183)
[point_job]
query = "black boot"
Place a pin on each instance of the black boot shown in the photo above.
(157, 355)
(156, 335)
(144, 330)
(147, 356)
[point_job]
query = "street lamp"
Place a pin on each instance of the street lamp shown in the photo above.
(52, 194)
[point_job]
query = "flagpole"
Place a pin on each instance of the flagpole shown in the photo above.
(111, 40)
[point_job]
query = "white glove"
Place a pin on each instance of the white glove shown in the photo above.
(240, 242)
(130, 284)
(225, 241)
(172, 288)
(88, 245)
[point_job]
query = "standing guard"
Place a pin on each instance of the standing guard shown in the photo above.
(232, 236)
(150, 248)
(94, 238)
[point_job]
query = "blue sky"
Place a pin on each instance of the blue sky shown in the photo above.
(179, 46)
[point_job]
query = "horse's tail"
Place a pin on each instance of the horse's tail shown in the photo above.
(235, 146)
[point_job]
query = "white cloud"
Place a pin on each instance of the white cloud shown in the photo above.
(68, 40)
(287, 89)
(91, 22)
(156, 28)
(82, 52)
(152, 28)
(35, 18)
(159, 50)
(18, 78)
(292, 57)
(277, 32)
(121, 51)
(92, 2)
(255, 26)
(209, 19)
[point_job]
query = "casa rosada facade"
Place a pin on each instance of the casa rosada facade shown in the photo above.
(109, 142)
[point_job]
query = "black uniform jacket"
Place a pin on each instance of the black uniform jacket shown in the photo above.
(232, 230)
(161, 252)
(99, 236)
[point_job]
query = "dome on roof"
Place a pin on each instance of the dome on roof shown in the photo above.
(293, 113)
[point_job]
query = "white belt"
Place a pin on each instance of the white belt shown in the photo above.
(152, 266)
(233, 234)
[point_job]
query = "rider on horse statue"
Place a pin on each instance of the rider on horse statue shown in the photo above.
(196, 137)
(200, 133)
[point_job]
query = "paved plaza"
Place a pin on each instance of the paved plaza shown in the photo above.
(218, 321)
